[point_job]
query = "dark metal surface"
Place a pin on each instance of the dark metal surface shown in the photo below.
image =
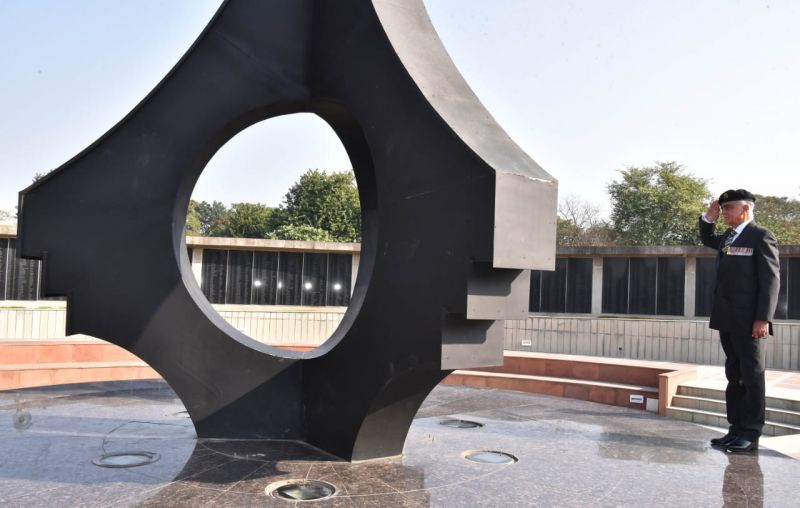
(453, 212)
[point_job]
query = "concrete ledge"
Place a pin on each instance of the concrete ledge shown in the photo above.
(212, 242)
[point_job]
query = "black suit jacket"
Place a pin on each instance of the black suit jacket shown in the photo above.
(748, 278)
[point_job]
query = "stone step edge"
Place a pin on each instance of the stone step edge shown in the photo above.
(69, 365)
(720, 415)
(718, 401)
(474, 373)
(623, 362)
(721, 393)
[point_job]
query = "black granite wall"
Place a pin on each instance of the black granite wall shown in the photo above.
(631, 285)
(567, 289)
(276, 278)
(19, 278)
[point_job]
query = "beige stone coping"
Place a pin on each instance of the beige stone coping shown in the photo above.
(210, 242)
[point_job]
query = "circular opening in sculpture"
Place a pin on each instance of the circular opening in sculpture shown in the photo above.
(272, 242)
(301, 490)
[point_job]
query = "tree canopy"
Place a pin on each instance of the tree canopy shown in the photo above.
(247, 220)
(650, 205)
(780, 215)
(325, 201)
(319, 206)
(657, 205)
(301, 232)
(206, 219)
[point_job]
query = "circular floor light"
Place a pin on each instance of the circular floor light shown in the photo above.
(300, 490)
(22, 420)
(125, 459)
(460, 424)
(489, 457)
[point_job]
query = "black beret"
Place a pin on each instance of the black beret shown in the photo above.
(736, 195)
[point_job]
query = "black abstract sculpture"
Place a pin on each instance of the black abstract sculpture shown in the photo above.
(453, 215)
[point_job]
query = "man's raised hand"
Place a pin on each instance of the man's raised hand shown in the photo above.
(712, 214)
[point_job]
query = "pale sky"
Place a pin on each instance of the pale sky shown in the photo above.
(585, 87)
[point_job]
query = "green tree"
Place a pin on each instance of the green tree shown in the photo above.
(193, 226)
(325, 201)
(567, 232)
(301, 232)
(247, 220)
(5, 215)
(657, 205)
(781, 216)
(211, 217)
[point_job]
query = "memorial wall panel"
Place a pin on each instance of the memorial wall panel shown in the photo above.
(642, 285)
(615, 285)
(554, 288)
(705, 277)
(671, 286)
(3, 267)
(315, 278)
(579, 285)
(22, 277)
(265, 278)
(240, 277)
(782, 311)
(290, 273)
(340, 272)
(534, 303)
(215, 268)
(793, 288)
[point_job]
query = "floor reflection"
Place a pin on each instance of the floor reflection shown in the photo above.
(743, 481)
(238, 472)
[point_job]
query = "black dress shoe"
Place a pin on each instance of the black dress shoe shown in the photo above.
(742, 445)
(724, 440)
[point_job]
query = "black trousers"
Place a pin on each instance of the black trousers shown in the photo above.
(745, 394)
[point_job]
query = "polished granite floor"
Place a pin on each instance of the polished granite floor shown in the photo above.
(571, 453)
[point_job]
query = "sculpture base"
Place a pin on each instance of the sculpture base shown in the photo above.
(570, 453)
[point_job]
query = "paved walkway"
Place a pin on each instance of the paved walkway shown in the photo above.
(780, 384)
(571, 453)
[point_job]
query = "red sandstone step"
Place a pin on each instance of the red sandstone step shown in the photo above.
(29, 352)
(25, 364)
(43, 374)
(616, 394)
(610, 370)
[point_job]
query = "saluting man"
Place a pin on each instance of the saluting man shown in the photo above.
(745, 298)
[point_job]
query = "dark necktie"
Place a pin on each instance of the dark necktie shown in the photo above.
(730, 234)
